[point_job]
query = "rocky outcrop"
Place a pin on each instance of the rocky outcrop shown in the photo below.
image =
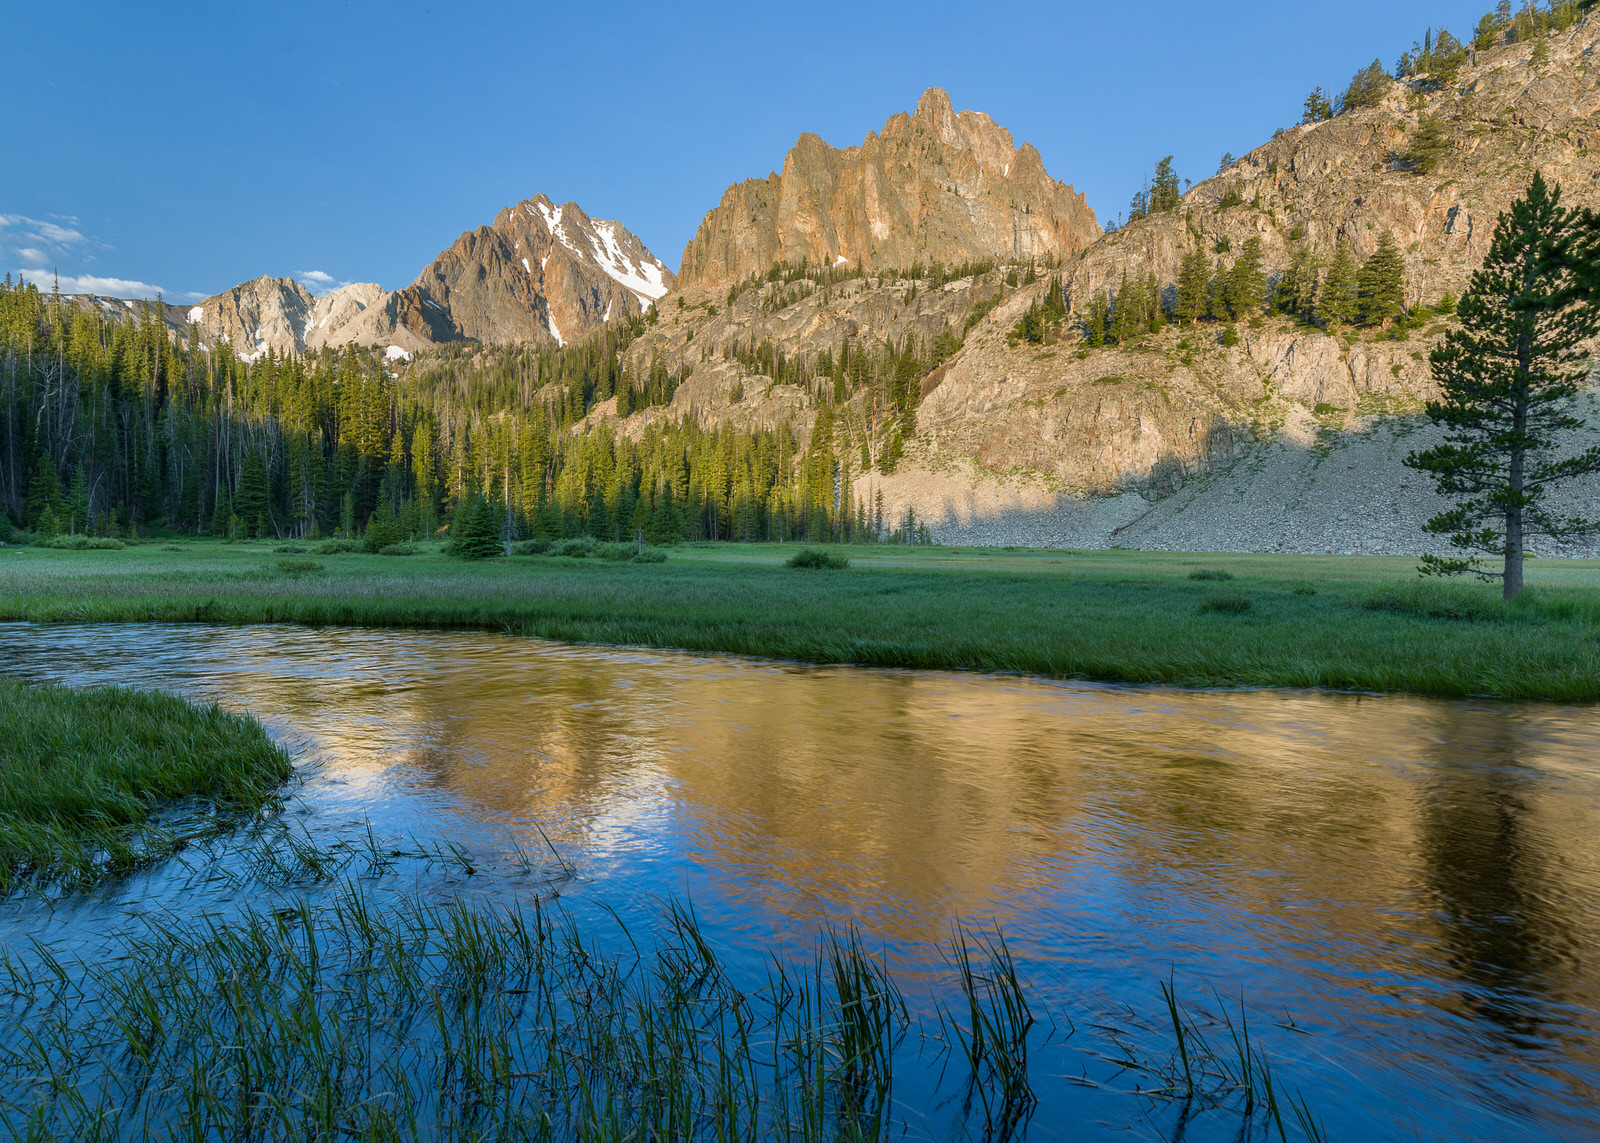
(255, 316)
(281, 315)
(542, 272)
(1347, 179)
(935, 186)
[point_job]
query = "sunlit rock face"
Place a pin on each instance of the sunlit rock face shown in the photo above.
(935, 186)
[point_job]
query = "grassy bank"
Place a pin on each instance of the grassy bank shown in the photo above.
(81, 774)
(1259, 620)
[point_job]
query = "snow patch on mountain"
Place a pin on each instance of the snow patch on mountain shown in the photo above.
(644, 280)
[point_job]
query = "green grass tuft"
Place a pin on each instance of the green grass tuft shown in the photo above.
(82, 772)
(80, 543)
(816, 560)
(1225, 602)
(1214, 574)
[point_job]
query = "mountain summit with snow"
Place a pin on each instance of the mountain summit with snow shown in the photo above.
(541, 272)
(538, 273)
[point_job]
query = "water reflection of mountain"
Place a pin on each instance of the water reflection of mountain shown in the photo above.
(1427, 842)
(913, 798)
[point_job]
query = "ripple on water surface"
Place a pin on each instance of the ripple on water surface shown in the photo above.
(1413, 884)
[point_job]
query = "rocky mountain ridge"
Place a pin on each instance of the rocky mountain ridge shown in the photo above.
(1011, 436)
(934, 186)
(588, 272)
(486, 286)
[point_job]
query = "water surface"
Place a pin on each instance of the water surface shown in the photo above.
(1405, 891)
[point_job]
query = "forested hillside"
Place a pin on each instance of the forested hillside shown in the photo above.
(113, 427)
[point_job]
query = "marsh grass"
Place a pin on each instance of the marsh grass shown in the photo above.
(79, 543)
(360, 1018)
(83, 772)
(1225, 602)
(1128, 617)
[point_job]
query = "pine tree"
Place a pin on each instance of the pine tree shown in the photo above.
(1296, 292)
(1247, 282)
(1164, 188)
(1317, 107)
(1194, 280)
(1217, 294)
(1153, 316)
(475, 532)
(1098, 319)
(252, 500)
(1367, 88)
(1124, 317)
(383, 528)
(1509, 376)
(75, 508)
(1380, 284)
(1337, 305)
(1429, 144)
(44, 492)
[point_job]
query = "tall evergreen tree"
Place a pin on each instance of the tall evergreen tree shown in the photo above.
(1337, 305)
(1164, 188)
(1217, 294)
(1367, 88)
(475, 532)
(1508, 378)
(1429, 144)
(1125, 316)
(44, 492)
(252, 502)
(1380, 284)
(1317, 107)
(1194, 279)
(1247, 281)
(74, 510)
(1296, 292)
(1098, 318)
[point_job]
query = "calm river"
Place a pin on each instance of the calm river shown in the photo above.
(1404, 892)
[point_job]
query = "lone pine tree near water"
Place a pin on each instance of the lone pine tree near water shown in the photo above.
(1509, 376)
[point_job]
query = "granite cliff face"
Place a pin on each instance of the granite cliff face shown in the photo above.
(934, 186)
(541, 272)
(281, 315)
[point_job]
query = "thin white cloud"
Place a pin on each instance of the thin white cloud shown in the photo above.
(319, 282)
(89, 284)
(43, 231)
(46, 247)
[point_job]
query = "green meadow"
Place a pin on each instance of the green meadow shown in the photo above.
(1237, 620)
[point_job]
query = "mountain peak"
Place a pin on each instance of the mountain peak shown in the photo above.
(933, 186)
(541, 272)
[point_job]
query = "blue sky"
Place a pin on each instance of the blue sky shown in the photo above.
(191, 147)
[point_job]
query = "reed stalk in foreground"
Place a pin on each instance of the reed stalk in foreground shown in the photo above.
(356, 1018)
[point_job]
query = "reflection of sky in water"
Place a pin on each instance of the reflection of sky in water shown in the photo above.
(1414, 881)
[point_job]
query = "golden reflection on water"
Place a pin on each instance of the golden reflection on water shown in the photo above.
(911, 798)
(1378, 838)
